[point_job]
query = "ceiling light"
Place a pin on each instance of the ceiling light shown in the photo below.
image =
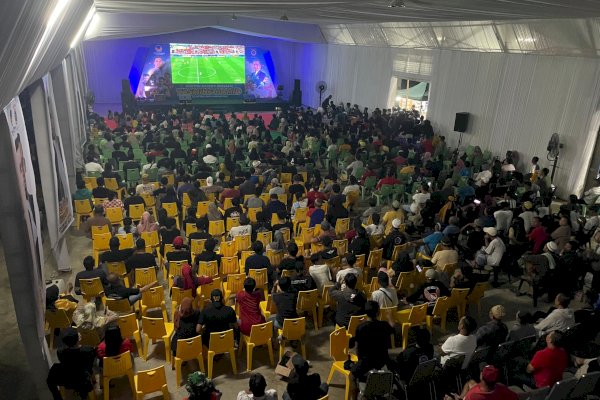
(397, 3)
(398, 98)
(284, 18)
(84, 25)
(527, 40)
(233, 17)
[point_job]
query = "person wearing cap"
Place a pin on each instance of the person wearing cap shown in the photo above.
(493, 250)
(429, 291)
(393, 239)
(211, 187)
(488, 388)
(216, 317)
(547, 365)
(180, 253)
(494, 331)
(461, 344)
(396, 213)
(527, 215)
(115, 254)
(350, 301)
(74, 369)
(276, 187)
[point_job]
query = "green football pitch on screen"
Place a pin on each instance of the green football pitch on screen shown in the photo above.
(208, 70)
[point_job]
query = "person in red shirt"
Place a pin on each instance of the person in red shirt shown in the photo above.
(427, 146)
(538, 235)
(399, 160)
(249, 303)
(229, 192)
(113, 343)
(388, 180)
(487, 389)
(368, 172)
(314, 194)
(549, 364)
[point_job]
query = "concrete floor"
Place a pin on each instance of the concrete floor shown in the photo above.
(13, 374)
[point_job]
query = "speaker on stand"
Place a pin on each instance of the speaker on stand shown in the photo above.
(296, 99)
(461, 123)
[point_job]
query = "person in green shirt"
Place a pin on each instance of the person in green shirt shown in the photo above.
(82, 192)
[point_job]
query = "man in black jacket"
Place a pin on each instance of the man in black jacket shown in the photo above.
(350, 301)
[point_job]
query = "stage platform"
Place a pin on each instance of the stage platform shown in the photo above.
(218, 105)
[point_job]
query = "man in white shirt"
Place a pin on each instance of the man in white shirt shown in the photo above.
(276, 187)
(492, 253)
(483, 178)
(92, 166)
(209, 158)
(319, 272)
(592, 196)
(592, 221)
(462, 344)
(243, 229)
(348, 269)
(503, 217)
(355, 167)
(145, 187)
(385, 296)
(560, 319)
(527, 215)
(352, 186)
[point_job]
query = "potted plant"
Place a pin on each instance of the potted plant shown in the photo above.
(200, 387)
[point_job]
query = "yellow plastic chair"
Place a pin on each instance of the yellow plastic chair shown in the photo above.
(151, 239)
(115, 367)
(405, 282)
(334, 262)
(242, 242)
(341, 246)
(112, 184)
(221, 343)
(186, 203)
(267, 307)
(342, 225)
(88, 337)
(285, 177)
(232, 222)
(145, 276)
(203, 292)
(449, 268)
(189, 229)
(209, 268)
(275, 220)
(252, 212)
(275, 257)
(172, 212)
(234, 284)
(308, 303)
(260, 335)
(56, 319)
(360, 261)
(98, 201)
(474, 298)
(83, 208)
(197, 246)
(293, 329)
(229, 265)
(136, 211)
(395, 253)
(154, 298)
(177, 295)
(151, 381)
(300, 217)
(100, 243)
(175, 268)
(306, 237)
(90, 182)
(324, 302)
(187, 350)
(118, 305)
(243, 257)
(355, 320)
(157, 329)
(338, 350)
(265, 238)
(458, 299)
(130, 328)
(150, 202)
(119, 269)
(114, 215)
(228, 249)
(287, 235)
(125, 241)
(417, 317)
(202, 209)
(227, 203)
(375, 258)
(261, 278)
(92, 288)
(216, 228)
(440, 311)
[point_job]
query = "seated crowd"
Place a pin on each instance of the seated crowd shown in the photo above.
(248, 224)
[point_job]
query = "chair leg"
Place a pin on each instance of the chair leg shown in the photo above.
(249, 349)
(270, 348)
(177, 370)
(167, 341)
(131, 381)
(145, 352)
(320, 311)
(164, 312)
(233, 362)
(138, 341)
(303, 348)
(201, 363)
(347, 390)
(165, 392)
(330, 376)
(405, 330)
(281, 348)
(211, 356)
(315, 319)
(105, 385)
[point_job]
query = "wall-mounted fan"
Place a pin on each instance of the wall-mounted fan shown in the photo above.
(321, 87)
(553, 148)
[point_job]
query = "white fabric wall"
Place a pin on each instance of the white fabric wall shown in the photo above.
(516, 103)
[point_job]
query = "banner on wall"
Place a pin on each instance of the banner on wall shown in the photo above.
(62, 192)
(27, 191)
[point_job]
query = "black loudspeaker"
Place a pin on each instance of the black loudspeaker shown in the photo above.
(125, 87)
(461, 122)
(296, 84)
(296, 99)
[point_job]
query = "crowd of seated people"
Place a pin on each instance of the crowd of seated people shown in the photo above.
(287, 195)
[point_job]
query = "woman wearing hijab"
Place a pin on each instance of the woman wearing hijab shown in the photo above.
(147, 223)
(278, 242)
(336, 210)
(187, 280)
(186, 323)
(113, 344)
(213, 212)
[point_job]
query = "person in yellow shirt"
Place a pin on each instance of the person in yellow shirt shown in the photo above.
(395, 212)
(408, 170)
